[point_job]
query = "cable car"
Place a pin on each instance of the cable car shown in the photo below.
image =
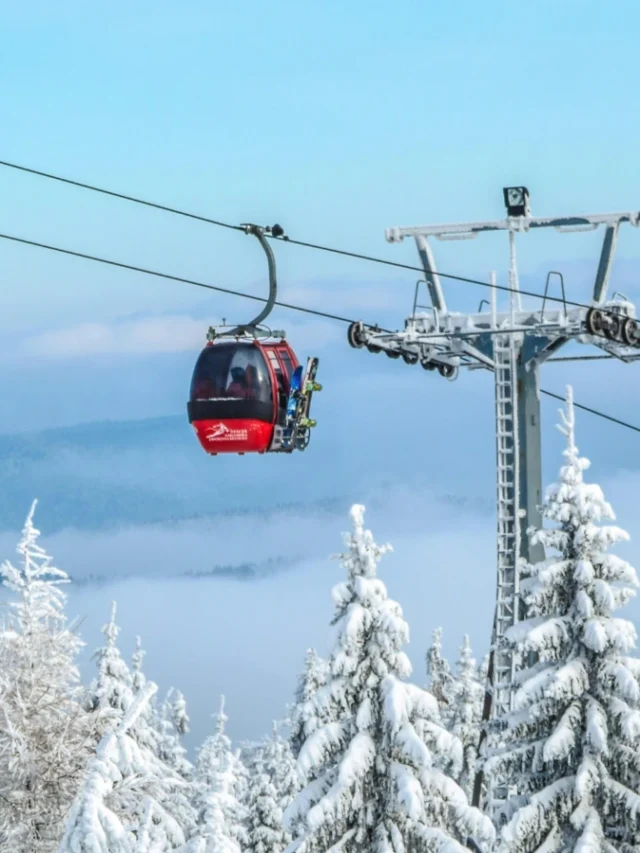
(249, 393)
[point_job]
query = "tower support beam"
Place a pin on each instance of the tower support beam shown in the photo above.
(605, 263)
(530, 456)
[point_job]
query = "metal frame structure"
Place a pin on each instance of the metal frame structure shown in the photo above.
(513, 344)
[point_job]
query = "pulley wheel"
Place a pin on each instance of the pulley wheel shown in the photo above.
(409, 358)
(392, 353)
(612, 329)
(448, 371)
(594, 321)
(629, 332)
(355, 336)
(426, 364)
(373, 348)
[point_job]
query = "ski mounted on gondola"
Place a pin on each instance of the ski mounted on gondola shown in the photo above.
(249, 394)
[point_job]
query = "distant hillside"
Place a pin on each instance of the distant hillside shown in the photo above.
(108, 474)
(133, 472)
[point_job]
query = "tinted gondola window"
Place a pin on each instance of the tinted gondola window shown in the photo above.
(231, 371)
(209, 379)
(248, 376)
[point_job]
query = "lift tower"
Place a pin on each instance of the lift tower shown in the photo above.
(513, 344)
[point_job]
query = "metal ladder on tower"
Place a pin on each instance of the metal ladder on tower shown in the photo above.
(508, 485)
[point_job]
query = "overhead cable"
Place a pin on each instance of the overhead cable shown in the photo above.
(239, 293)
(317, 246)
(168, 276)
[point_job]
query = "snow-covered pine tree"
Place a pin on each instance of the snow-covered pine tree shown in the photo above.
(179, 715)
(154, 730)
(111, 694)
(43, 727)
(116, 686)
(138, 678)
(441, 683)
(174, 725)
(273, 785)
(123, 769)
(303, 715)
(370, 764)
(249, 756)
(265, 832)
(148, 728)
(572, 743)
(221, 816)
(466, 714)
(282, 768)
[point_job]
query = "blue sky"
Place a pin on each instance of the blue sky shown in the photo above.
(337, 120)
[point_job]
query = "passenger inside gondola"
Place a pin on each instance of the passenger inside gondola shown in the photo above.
(232, 372)
(237, 388)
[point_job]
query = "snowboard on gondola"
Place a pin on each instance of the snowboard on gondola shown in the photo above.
(298, 424)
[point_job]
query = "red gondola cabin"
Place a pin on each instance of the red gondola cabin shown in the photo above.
(239, 393)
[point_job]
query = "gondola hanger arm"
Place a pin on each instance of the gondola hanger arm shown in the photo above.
(260, 233)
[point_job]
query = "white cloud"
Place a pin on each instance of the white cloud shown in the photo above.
(282, 615)
(152, 334)
(164, 334)
(441, 572)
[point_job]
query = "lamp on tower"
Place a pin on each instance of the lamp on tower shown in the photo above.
(516, 200)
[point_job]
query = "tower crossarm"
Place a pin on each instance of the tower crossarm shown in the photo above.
(468, 230)
(467, 339)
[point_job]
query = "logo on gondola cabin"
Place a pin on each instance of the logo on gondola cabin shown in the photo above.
(220, 432)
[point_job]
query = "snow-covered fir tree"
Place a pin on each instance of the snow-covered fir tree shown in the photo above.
(154, 729)
(161, 731)
(272, 786)
(43, 727)
(465, 716)
(111, 694)
(138, 678)
(220, 815)
(122, 770)
(573, 742)
(116, 686)
(303, 714)
(174, 725)
(264, 816)
(282, 767)
(178, 710)
(441, 683)
(251, 754)
(371, 764)
(148, 728)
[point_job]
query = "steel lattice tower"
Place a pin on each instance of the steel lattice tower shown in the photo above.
(513, 345)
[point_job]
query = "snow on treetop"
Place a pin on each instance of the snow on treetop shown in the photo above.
(569, 747)
(375, 747)
(363, 553)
